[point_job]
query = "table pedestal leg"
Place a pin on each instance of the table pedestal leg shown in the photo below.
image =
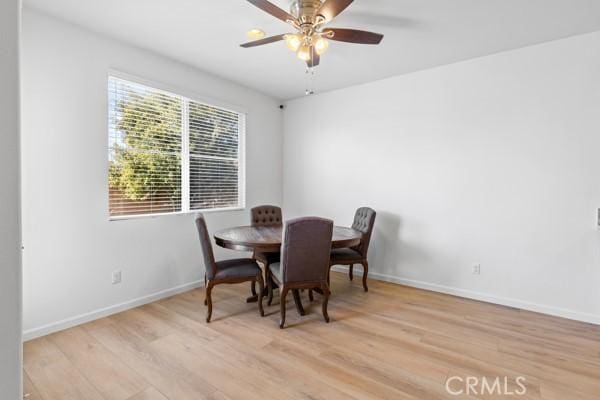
(318, 290)
(252, 299)
(295, 294)
(298, 302)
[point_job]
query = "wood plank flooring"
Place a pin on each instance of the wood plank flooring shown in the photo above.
(394, 342)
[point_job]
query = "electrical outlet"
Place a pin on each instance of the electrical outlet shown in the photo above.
(116, 277)
(599, 217)
(477, 269)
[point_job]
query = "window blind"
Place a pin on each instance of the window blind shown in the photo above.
(214, 147)
(169, 154)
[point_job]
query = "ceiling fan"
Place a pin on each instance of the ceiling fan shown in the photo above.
(309, 18)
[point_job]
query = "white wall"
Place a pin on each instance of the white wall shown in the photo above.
(70, 246)
(492, 161)
(10, 236)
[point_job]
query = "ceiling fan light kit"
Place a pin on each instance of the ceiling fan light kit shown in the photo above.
(304, 45)
(309, 17)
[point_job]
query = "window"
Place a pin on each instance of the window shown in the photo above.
(170, 154)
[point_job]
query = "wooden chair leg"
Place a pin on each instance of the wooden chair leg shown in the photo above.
(253, 288)
(261, 288)
(266, 280)
(270, 285)
(209, 301)
(283, 291)
(326, 294)
(205, 288)
(310, 295)
(365, 264)
(351, 271)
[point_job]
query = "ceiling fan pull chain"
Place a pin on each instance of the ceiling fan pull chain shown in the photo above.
(309, 77)
(306, 81)
(310, 74)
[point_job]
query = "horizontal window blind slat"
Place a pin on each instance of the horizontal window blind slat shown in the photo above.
(216, 144)
(146, 205)
(213, 167)
(145, 114)
(225, 126)
(222, 145)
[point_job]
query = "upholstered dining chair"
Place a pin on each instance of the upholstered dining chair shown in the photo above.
(226, 271)
(364, 220)
(304, 260)
(265, 215)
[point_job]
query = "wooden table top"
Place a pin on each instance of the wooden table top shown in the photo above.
(268, 238)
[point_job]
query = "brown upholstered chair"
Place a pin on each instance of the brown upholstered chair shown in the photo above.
(226, 271)
(364, 219)
(304, 260)
(265, 216)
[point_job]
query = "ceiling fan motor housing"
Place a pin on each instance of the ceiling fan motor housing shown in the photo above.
(306, 11)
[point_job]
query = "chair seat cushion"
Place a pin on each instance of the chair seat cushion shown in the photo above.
(345, 256)
(276, 271)
(267, 258)
(237, 268)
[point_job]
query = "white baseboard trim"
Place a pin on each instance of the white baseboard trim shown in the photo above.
(505, 301)
(105, 312)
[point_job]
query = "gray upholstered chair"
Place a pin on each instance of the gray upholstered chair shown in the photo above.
(226, 271)
(266, 215)
(304, 260)
(364, 219)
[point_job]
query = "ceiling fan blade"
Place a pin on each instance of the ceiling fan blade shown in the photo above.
(272, 9)
(353, 36)
(263, 41)
(314, 61)
(332, 8)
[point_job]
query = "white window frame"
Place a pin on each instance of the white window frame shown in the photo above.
(186, 96)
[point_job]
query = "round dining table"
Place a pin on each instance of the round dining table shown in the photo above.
(267, 239)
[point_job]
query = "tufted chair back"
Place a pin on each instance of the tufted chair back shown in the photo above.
(266, 216)
(207, 250)
(364, 219)
(306, 248)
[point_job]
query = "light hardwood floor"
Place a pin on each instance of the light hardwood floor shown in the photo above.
(394, 342)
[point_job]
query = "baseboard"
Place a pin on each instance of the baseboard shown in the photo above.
(105, 312)
(505, 301)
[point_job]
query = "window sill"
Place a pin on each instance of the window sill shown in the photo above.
(159, 215)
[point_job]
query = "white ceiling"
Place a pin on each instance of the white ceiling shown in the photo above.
(419, 34)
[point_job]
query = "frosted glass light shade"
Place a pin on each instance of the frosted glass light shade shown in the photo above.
(304, 53)
(321, 45)
(293, 42)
